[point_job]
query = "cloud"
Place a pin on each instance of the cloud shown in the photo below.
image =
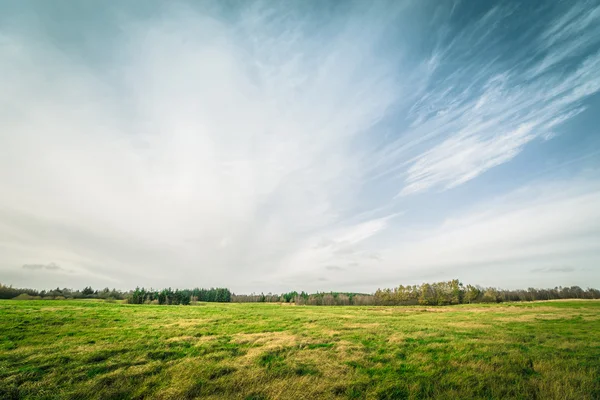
(526, 238)
(553, 269)
(530, 229)
(215, 149)
(33, 266)
(205, 145)
(362, 231)
(48, 267)
(484, 113)
(460, 159)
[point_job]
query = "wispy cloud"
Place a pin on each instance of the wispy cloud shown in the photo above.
(554, 269)
(483, 113)
(207, 134)
(537, 227)
(267, 142)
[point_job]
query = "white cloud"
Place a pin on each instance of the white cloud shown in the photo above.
(211, 149)
(242, 150)
(503, 239)
(460, 159)
(482, 115)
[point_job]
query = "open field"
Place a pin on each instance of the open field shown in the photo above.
(91, 349)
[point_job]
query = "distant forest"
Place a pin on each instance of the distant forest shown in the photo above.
(438, 293)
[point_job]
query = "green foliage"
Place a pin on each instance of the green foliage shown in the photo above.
(435, 294)
(8, 292)
(87, 291)
(178, 297)
(454, 292)
(25, 296)
(290, 296)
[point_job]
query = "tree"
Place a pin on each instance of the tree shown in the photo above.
(427, 295)
(87, 291)
(472, 294)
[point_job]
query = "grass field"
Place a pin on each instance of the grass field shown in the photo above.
(97, 350)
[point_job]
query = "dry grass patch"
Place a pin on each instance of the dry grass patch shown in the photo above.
(329, 332)
(397, 338)
(347, 351)
(187, 323)
(363, 325)
(181, 339)
(51, 309)
(531, 309)
(467, 325)
(262, 342)
(591, 317)
(530, 317)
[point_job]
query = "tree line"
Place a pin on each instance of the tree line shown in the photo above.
(9, 292)
(454, 292)
(437, 293)
(177, 297)
(304, 298)
(136, 296)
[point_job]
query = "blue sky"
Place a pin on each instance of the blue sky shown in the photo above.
(269, 146)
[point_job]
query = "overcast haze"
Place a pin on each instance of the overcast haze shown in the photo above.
(277, 145)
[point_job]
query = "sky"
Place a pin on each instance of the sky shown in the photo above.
(268, 146)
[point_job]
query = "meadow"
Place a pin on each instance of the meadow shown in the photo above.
(88, 349)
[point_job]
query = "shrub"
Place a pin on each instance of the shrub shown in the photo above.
(25, 296)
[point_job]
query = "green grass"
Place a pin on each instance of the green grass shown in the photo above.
(97, 350)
